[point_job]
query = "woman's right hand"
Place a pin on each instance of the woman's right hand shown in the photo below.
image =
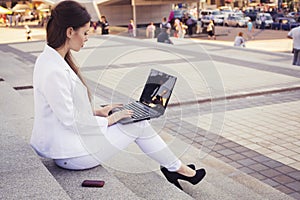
(104, 111)
(116, 116)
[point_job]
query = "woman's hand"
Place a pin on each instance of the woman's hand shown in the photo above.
(115, 117)
(103, 112)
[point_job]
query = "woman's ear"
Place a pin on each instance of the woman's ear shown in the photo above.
(69, 32)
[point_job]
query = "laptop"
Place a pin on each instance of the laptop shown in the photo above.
(153, 100)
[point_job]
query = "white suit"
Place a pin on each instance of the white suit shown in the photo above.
(65, 128)
(54, 128)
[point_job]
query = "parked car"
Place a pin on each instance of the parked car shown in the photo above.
(235, 21)
(276, 15)
(224, 9)
(251, 13)
(217, 17)
(268, 21)
(218, 20)
(205, 20)
(205, 13)
(285, 23)
(293, 14)
(237, 14)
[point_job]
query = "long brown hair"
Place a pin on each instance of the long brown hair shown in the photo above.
(64, 15)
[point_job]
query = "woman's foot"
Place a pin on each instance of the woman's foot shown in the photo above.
(187, 170)
(184, 173)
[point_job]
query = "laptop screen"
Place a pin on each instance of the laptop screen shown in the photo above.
(158, 89)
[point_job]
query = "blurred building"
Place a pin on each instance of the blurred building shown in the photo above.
(119, 12)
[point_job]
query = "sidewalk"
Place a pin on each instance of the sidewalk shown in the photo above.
(255, 131)
(269, 40)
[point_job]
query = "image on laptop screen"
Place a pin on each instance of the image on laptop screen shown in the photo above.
(157, 90)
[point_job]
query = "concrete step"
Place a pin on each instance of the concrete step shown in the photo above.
(17, 110)
(16, 66)
(222, 180)
(132, 175)
(71, 182)
(23, 176)
(22, 167)
(141, 177)
(119, 184)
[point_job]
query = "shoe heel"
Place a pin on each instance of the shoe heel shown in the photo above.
(171, 177)
(176, 183)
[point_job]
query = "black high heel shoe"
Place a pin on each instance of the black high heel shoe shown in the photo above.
(173, 177)
(192, 166)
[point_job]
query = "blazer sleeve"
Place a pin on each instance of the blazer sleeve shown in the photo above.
(58, 93)
(72, 108)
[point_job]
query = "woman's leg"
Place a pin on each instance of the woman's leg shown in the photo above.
(114, 139)
(155, 147)
(120, 136)
(149, 142)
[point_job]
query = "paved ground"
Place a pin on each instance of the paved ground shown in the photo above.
(255, 129)
(269, 40)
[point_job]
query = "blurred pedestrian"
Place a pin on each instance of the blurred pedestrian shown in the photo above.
(150, 30)
(176, 26)
(165, 25)
(190, 24)
(263, 22)
(28, 32)
(104, 25)
(181, 29)
(239, 40)
(10, 19)
(131, 29)
(17, 19)
(295, 35)
(95, 25)
(250, 29)
(211, 30)
(171, 17)
(164, 37)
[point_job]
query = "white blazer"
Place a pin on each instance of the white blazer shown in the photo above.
(64, 124)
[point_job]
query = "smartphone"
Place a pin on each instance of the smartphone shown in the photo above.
(92, 183)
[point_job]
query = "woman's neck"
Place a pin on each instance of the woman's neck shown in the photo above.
(62, 51)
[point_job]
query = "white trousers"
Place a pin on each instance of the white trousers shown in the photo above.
(120, 136)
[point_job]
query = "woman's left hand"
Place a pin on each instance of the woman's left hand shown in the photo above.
(103, 112)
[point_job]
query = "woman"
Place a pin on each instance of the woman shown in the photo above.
(131, 29)
(63, 111)
(211, 30)
(150, 30)
(250, 29)
(181, 28)
(104, 26)
(239, 40)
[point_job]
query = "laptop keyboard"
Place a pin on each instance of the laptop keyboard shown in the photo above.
(139, 112)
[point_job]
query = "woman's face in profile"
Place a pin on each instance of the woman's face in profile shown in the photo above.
(79, 37)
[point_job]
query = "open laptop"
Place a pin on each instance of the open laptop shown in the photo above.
(154, 99)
